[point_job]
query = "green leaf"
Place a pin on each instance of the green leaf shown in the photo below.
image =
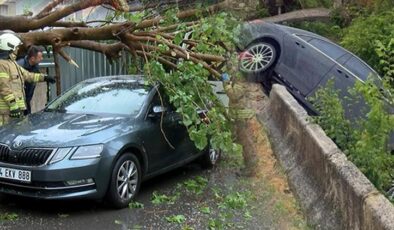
(205, 210)
(178, 38)
(136, 204)
(179, 219)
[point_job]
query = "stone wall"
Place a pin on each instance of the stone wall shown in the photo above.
(332, 190)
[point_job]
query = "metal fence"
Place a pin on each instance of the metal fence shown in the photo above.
(91, 64)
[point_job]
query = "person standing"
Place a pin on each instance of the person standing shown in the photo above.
(30, 63)
(12, 79)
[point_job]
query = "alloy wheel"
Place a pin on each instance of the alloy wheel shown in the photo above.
(127, 180)
(213, 155)
(257, 58)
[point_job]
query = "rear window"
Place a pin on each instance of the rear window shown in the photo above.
(359, 69)
(328, 48)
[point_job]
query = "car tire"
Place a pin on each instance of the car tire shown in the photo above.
(124, 187)
(210, 158)
(257, 60)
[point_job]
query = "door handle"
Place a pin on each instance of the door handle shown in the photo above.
(176, 118)
(339, 71)
(299, 44)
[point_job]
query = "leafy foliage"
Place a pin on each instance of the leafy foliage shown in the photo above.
(205, 210)
(164, 199)
(364, 141)
(136, 205)
(332, 115)
(361, 36)
(329, 30)
(315, 3)
(179, 219)
(8, 216)
(236, 200)
(386, 55)
(188, 87)
(196, 185)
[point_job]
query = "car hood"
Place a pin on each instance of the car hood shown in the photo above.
(52, 129)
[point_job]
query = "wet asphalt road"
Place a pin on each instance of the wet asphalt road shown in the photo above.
(224, 186)
(82, 214)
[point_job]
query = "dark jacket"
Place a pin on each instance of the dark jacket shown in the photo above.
(29, 87)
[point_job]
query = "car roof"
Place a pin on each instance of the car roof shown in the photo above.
(297, 31)
(126, 78)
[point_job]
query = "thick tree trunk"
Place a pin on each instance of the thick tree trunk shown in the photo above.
(301, 15)
(245, 98)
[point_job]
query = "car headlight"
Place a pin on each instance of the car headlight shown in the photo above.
(59, 155)
(86, 152)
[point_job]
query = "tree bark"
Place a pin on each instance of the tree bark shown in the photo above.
(301, 15)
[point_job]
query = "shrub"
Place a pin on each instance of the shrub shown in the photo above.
(365, 140)
(361, 36)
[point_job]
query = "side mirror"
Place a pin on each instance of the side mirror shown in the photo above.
(157, 111)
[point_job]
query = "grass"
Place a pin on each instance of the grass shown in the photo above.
(8, 217)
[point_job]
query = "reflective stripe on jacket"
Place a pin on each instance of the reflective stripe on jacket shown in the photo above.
(12, 80)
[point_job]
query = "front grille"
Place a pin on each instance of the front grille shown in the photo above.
(27, 157)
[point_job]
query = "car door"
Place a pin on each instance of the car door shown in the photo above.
(343, 81)
(163, 135)
(359, 69)
(360, 72)
(305, 64)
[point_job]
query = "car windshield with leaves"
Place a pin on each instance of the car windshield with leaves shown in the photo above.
(104, 97)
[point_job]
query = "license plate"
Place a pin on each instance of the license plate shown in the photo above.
(15, 174)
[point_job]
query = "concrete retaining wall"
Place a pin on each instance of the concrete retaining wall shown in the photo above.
(332, 191)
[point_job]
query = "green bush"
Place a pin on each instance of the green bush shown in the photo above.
(315, 3)
(361, 36)
(365, 140)
(329, 30)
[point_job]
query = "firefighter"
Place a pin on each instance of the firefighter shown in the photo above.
(12, 79)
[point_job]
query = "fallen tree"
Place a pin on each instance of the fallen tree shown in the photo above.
(182, 43)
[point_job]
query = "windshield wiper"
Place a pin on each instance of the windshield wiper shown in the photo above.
(55, 110)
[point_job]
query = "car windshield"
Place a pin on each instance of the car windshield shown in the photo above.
(107, 96)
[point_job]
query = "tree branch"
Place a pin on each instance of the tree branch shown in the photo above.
(24, 24)
(111, 51)
(185, 14)
(48, 8)
(301, 15)
(68, 24)
(67, 58)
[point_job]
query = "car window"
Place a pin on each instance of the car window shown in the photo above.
(358, 68)
(331, 50)
(305, 38)
(113, 97)
(344, 58)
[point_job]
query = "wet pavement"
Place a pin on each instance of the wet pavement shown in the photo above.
(187, 198)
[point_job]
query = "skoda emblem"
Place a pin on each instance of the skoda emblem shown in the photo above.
(17, 144)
